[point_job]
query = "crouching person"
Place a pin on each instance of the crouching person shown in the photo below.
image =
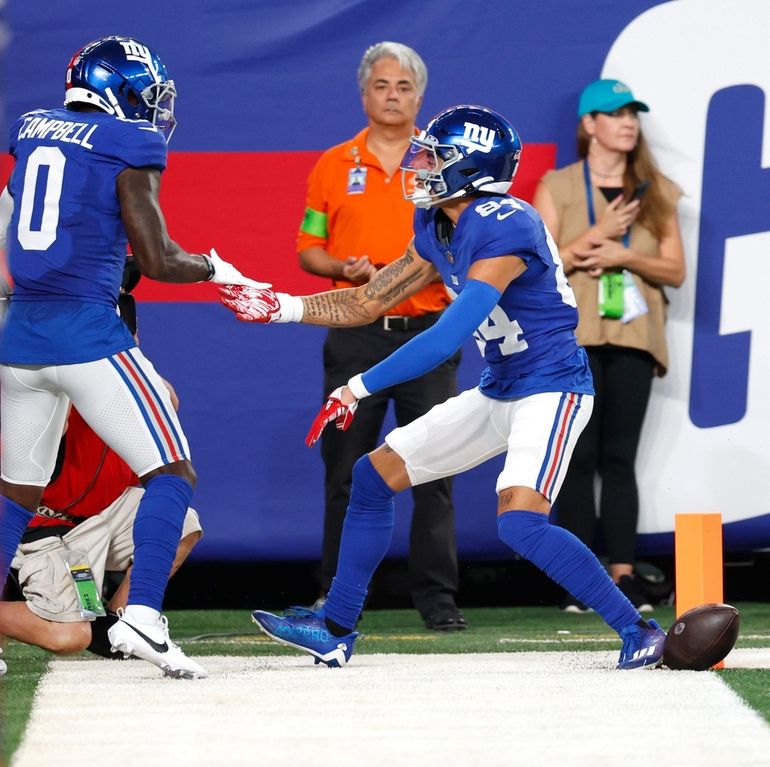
(83, 526)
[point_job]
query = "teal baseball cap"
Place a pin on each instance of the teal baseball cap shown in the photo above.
(607, 96)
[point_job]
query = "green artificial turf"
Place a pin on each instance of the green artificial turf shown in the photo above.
(511, 629)
(751, 684)
(17, 689)
(401, 631)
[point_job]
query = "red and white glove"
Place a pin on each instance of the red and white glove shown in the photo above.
(261, 305)
(224, 273)
(334, 409)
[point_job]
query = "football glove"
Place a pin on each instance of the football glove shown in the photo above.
(261, 305)
(226, 274)
(334, 409)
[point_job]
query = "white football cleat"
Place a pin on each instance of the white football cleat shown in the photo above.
(3, 667)
(151, 642)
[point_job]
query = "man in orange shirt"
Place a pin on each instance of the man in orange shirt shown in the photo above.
(356, 221)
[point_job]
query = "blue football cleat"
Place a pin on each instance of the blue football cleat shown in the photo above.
(306, 630)
(642, 647)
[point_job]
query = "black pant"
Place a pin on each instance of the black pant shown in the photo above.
(432, 546)
(607, 447)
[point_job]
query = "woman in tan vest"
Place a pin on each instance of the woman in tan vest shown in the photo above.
(613, 216)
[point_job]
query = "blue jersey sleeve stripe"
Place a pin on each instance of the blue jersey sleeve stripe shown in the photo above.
(439, 342)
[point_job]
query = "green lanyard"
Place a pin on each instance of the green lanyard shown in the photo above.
(611, 297)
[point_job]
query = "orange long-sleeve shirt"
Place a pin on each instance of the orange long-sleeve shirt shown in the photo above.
(355, 209)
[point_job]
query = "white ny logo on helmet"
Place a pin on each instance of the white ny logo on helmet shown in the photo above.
(478, 137)
(137, 52)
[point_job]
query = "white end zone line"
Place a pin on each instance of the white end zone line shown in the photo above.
(536, 708)
(738, 658)
(758, 657)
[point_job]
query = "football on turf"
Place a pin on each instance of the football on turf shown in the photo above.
(701, 637)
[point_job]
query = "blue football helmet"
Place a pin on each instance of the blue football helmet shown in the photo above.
(125, 78)
(463, 150)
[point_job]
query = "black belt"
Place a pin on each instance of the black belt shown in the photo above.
(37, 533)
(396, 322)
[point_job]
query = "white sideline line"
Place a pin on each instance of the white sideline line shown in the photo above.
(533, 708)
(757, 657)
(582, 639)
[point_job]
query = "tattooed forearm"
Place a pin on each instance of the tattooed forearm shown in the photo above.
(337, 307)
(384, 279)
(398, 291)
(362, 305)
(399, 280)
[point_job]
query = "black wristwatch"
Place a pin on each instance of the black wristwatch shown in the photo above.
(212, 270)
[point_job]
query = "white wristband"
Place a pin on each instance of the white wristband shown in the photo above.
(356, 385)
(292, 308)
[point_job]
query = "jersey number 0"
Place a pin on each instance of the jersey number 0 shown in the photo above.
(53, 159)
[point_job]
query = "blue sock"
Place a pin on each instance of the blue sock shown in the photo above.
(13, 522)
(569, 562)
(365, 541)
(157, 530)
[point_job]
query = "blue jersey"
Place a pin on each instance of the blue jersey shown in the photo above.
(66, 241)
(528, 341)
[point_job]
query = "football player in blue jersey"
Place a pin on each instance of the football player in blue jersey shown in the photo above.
(85, 182)
(534, 398)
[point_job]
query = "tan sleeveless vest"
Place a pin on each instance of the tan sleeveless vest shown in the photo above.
(567, 188)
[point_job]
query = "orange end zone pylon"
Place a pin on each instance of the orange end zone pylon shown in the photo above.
(699, 562)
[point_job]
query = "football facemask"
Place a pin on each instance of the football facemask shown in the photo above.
(462, 151)
(422, 179)
(159, 100)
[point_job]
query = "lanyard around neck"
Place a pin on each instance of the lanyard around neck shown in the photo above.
(590, 203)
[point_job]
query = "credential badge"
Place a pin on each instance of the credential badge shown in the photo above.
(357, 180)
